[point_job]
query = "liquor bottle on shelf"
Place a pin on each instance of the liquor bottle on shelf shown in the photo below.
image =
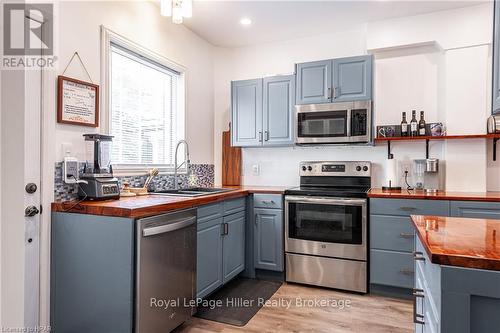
(404, 126)
(421, 125)
(413, 124)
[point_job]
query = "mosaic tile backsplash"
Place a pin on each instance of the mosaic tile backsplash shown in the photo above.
(201, 175)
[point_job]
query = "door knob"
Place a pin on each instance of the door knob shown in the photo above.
(30, 188)
(31, 211)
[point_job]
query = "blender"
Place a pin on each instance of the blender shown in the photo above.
(98, 171)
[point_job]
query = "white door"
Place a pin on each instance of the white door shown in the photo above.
(20, 197)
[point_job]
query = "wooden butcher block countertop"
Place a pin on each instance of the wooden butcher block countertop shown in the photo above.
(464, 242)
(149, 205)
(441, 195)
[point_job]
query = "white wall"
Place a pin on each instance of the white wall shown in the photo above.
(78, 29)
(438, 62)
(139, 21)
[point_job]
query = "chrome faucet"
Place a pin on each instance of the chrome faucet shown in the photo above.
(186, 161)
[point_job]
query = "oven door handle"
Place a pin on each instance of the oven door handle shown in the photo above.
(325, 200)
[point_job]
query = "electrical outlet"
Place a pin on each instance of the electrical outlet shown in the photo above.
(255, 169)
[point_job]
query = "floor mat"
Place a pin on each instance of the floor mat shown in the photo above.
(238, 301)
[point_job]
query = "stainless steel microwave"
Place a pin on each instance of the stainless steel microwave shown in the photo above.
(332, 123)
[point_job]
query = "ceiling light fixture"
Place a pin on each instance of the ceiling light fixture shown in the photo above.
(178, 9)
(245, 21)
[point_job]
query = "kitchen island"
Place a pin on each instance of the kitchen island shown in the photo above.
(457, 274)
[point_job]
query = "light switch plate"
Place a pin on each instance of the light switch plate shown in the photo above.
(255, 169)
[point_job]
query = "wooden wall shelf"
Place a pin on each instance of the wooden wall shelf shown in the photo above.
(495, 138)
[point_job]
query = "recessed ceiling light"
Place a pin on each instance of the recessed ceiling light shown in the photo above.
(245, 21)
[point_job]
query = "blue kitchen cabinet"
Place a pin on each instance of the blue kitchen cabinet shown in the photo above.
(220, 244)
(268, 239)
(475, 209)
(392, 242)
(314, 82)
(454, 299)
(233, 246)
(496, 60)
(246, 113)
(92, 272)
(338, 80)
(279, 101)
(209, 257)
(352, 79)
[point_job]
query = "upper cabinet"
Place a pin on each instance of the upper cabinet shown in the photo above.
(496, 60)
(337, 80)
(246, 125)
(314, 82)
(262, 111)
(279, 101)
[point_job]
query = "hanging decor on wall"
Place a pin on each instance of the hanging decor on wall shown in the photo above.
(178, 9)
(77, 101)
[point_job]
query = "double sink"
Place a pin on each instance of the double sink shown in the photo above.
(192, 191)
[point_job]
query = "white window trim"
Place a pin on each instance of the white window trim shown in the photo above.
(107, 37)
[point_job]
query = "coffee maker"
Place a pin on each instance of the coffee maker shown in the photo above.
(98, 172)
(426, 172)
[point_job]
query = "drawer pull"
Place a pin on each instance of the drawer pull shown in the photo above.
(406, 235)
(417, 318)
(407, 271)
(408, 209)
(418, 256)
(268, 202)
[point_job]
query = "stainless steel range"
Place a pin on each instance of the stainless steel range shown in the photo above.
(326, 223)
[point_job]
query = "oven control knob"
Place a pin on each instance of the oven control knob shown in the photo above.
(365, 168)
(309, 168)
(358, 168)
(304, 168)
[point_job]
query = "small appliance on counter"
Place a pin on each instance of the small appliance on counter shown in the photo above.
(98, 173)
(493, 124)
(426, 172)
(431, 175)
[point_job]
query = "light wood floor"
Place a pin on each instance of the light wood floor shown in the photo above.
(367, 313)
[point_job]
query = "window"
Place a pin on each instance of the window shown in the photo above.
(146, 103)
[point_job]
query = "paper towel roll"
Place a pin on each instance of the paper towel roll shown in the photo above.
(391, 172)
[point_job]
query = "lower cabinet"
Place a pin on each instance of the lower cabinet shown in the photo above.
(220, 244)
(454, 299)
(233, 245)
(209, 257)
(268, 239)
(475, 209)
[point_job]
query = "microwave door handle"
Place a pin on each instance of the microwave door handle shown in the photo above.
(348, 122)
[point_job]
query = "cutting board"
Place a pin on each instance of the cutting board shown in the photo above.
(231, 162)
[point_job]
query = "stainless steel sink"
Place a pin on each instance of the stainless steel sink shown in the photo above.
(192, 191)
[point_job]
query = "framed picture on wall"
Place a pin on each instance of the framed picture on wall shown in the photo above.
(77, 102)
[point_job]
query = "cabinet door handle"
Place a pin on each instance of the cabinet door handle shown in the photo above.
(406, 235)
(330, 94)
(222, 229)
(335, 92)
(406, 271)
(418, 256)
(260, 136)
(226, 229)
(417, 293)
(408, 209)
(266, 135)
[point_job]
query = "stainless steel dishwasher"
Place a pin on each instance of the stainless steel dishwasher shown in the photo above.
(166, 271)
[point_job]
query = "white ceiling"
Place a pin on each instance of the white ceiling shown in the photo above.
(218, 21)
